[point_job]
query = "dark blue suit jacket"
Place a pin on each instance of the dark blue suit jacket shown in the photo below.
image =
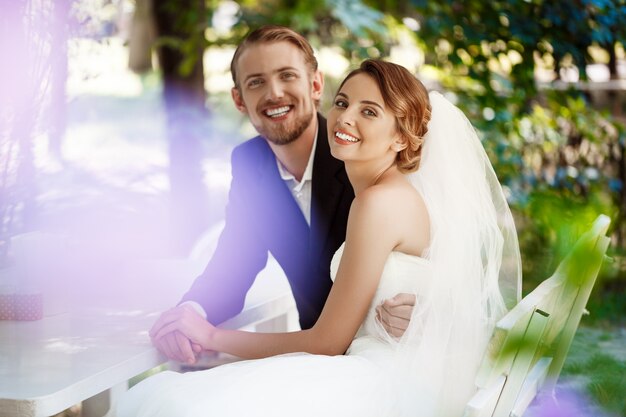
(262, 216)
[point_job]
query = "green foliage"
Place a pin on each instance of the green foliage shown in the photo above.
(564, 177)
(560, 159)
(359, 30)
(358, 18)
(490, 43)
(608, 305)
(482, 39)
(186, 31)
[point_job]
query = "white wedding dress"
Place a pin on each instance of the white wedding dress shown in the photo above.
(300, 384)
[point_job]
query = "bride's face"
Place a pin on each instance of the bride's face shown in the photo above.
(360, 126)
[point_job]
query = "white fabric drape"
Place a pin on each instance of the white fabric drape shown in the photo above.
(476, 265)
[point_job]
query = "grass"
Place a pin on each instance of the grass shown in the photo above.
(598, 357)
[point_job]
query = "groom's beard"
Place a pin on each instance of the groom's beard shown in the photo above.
(289, 130)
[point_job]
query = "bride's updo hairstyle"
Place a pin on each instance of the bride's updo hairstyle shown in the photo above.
(408, 99)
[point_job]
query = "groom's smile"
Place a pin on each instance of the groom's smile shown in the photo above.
(278, 113)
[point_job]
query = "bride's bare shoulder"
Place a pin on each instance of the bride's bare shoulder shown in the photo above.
(390, 198)
(394, 209)
(395, 191)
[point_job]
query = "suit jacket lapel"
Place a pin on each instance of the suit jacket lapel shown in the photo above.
(288, 225)
(330, 182)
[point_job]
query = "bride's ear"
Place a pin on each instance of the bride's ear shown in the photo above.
(400, 143)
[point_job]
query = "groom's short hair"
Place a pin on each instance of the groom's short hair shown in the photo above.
(274, 33)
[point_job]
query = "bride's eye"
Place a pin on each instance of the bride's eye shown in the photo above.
(341, 103)
(369, 112)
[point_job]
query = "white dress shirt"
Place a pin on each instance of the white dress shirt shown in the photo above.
(301, 191)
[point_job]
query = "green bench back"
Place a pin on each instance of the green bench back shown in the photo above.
(530, 343)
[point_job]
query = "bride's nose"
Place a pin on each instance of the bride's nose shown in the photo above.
(345, 119)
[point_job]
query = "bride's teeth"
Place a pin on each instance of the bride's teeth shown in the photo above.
(346, 137)
(280, 111)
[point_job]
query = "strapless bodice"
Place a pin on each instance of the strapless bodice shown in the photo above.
(402, 273)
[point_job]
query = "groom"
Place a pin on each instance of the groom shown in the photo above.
(288, 195)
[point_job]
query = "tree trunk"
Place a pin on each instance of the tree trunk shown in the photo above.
(58, 99)
(141, 37)
(616, 98)
(20, 105)
(620, 228)
(184, 97)
(612, 61)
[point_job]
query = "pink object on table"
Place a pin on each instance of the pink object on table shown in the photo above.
(21, 306)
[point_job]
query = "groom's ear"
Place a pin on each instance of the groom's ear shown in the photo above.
(235, 93)
(318, 85)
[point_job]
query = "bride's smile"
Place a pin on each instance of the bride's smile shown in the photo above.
(344, 138)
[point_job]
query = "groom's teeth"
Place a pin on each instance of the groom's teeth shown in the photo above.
(280, 111)
(346, 137)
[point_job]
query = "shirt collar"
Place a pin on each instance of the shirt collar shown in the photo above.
(308, 171)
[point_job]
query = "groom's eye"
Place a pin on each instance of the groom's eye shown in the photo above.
(255, 82)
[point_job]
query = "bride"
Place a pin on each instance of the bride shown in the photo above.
(428, 218)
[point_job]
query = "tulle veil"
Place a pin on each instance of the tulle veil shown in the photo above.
(476, 270)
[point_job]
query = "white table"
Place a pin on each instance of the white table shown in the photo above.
(49, 365)
(46, 366)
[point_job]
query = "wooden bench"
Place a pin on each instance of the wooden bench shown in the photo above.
(530, 343)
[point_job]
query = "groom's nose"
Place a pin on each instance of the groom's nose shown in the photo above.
(275, 90)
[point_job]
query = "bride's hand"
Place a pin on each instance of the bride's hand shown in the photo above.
(188, 322)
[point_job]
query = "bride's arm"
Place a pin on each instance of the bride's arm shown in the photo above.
(372, 233)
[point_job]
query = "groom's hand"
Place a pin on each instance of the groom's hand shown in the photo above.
(395, 313)
(175, 345)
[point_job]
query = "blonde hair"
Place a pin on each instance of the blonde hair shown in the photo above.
(274, 33)
(408, 99)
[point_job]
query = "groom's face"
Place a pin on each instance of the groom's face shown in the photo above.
(277, 90)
